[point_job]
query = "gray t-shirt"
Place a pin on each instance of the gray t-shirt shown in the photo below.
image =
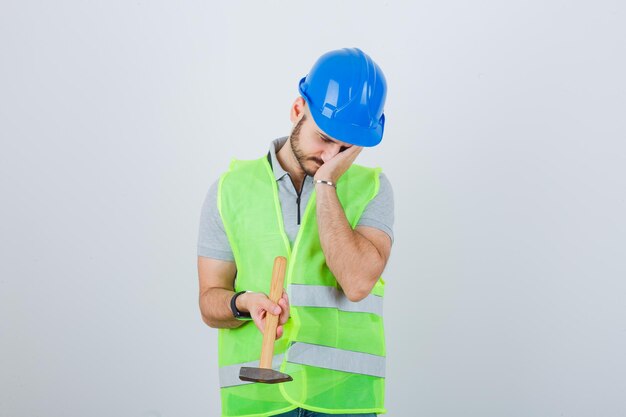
(212, 239)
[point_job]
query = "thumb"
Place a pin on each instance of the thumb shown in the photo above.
(271, 307)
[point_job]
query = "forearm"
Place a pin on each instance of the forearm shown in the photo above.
(215, 308)
(354, 260)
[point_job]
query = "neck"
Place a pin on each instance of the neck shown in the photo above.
(289, 162)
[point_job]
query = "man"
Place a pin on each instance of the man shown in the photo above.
(332, 219)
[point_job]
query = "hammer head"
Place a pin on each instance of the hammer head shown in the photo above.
(266, 376)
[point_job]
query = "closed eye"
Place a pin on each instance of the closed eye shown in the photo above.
(324, 139)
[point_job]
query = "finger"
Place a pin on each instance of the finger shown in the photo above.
(279, 332)
(284, 315)
(260, 323)
(353, 151)
(286, 307)
(259, 312)
(271, 307)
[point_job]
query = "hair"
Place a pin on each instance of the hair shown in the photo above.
(296, 129)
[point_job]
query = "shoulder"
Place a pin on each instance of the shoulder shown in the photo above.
(377, 174)
(246, 167)
(384, 186)
(379, 212)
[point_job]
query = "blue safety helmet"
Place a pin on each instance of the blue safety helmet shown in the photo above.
(346, 91)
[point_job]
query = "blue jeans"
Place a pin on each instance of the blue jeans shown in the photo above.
(299, 412)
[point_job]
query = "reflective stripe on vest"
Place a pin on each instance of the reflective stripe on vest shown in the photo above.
(331, 297)
(336, 359)
(229, 375)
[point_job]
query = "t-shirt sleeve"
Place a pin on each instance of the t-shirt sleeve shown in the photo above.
(212, 238)
(379, 213)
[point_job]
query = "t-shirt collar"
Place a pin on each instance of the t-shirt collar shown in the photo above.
(275, 146)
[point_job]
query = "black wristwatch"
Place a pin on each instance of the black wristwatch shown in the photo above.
(240, 315)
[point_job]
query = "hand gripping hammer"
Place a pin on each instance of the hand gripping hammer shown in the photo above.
(264, 373)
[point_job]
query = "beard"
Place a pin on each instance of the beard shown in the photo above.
(294, 139)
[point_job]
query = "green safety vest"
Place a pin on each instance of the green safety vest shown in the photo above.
(333, 348)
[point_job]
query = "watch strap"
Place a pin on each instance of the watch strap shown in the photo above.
(240, 315)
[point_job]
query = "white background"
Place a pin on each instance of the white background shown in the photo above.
(504, 142)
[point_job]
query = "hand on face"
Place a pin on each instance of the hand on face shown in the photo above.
(336, 166)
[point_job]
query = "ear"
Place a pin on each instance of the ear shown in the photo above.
(297, 110)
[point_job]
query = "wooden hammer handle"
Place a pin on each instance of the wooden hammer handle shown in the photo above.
(271, 321)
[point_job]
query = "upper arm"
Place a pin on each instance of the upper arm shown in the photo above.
(212, 239)
(215, 273)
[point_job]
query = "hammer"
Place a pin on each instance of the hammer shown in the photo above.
(264, 373)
